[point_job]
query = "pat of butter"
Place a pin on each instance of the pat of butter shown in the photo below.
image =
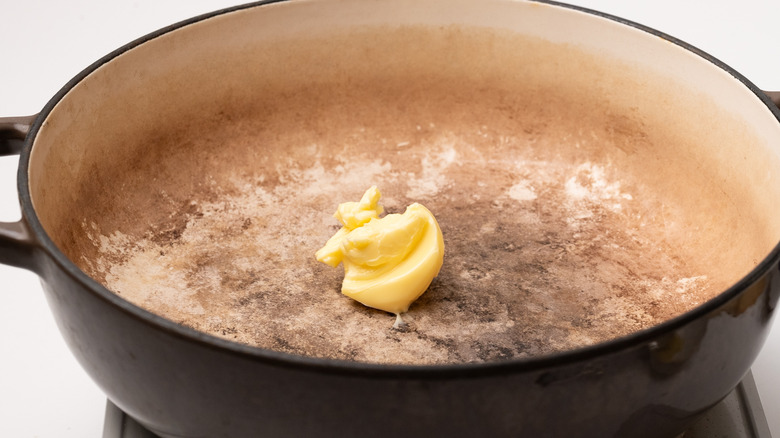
(388, 262)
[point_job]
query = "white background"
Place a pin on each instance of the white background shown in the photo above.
(43, 391)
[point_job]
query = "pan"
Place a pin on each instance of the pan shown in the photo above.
(658, 372)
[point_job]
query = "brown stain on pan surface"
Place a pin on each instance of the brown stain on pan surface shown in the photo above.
(561, 224)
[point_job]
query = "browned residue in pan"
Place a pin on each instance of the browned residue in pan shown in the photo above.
(549, 246)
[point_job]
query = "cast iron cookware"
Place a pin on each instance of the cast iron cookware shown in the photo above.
(180, 382)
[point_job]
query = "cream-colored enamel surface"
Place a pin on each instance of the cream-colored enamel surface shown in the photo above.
(591, 179)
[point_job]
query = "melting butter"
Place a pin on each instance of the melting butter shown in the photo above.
(388, 262)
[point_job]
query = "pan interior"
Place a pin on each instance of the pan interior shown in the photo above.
(581, 197)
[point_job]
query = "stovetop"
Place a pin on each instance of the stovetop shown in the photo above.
(739, 415)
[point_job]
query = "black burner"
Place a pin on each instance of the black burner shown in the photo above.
(120, 425)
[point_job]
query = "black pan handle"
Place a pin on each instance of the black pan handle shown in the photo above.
(18, 247)
(13, 130)
(774, 96)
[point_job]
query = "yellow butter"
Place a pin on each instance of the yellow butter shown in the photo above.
(388, 262)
